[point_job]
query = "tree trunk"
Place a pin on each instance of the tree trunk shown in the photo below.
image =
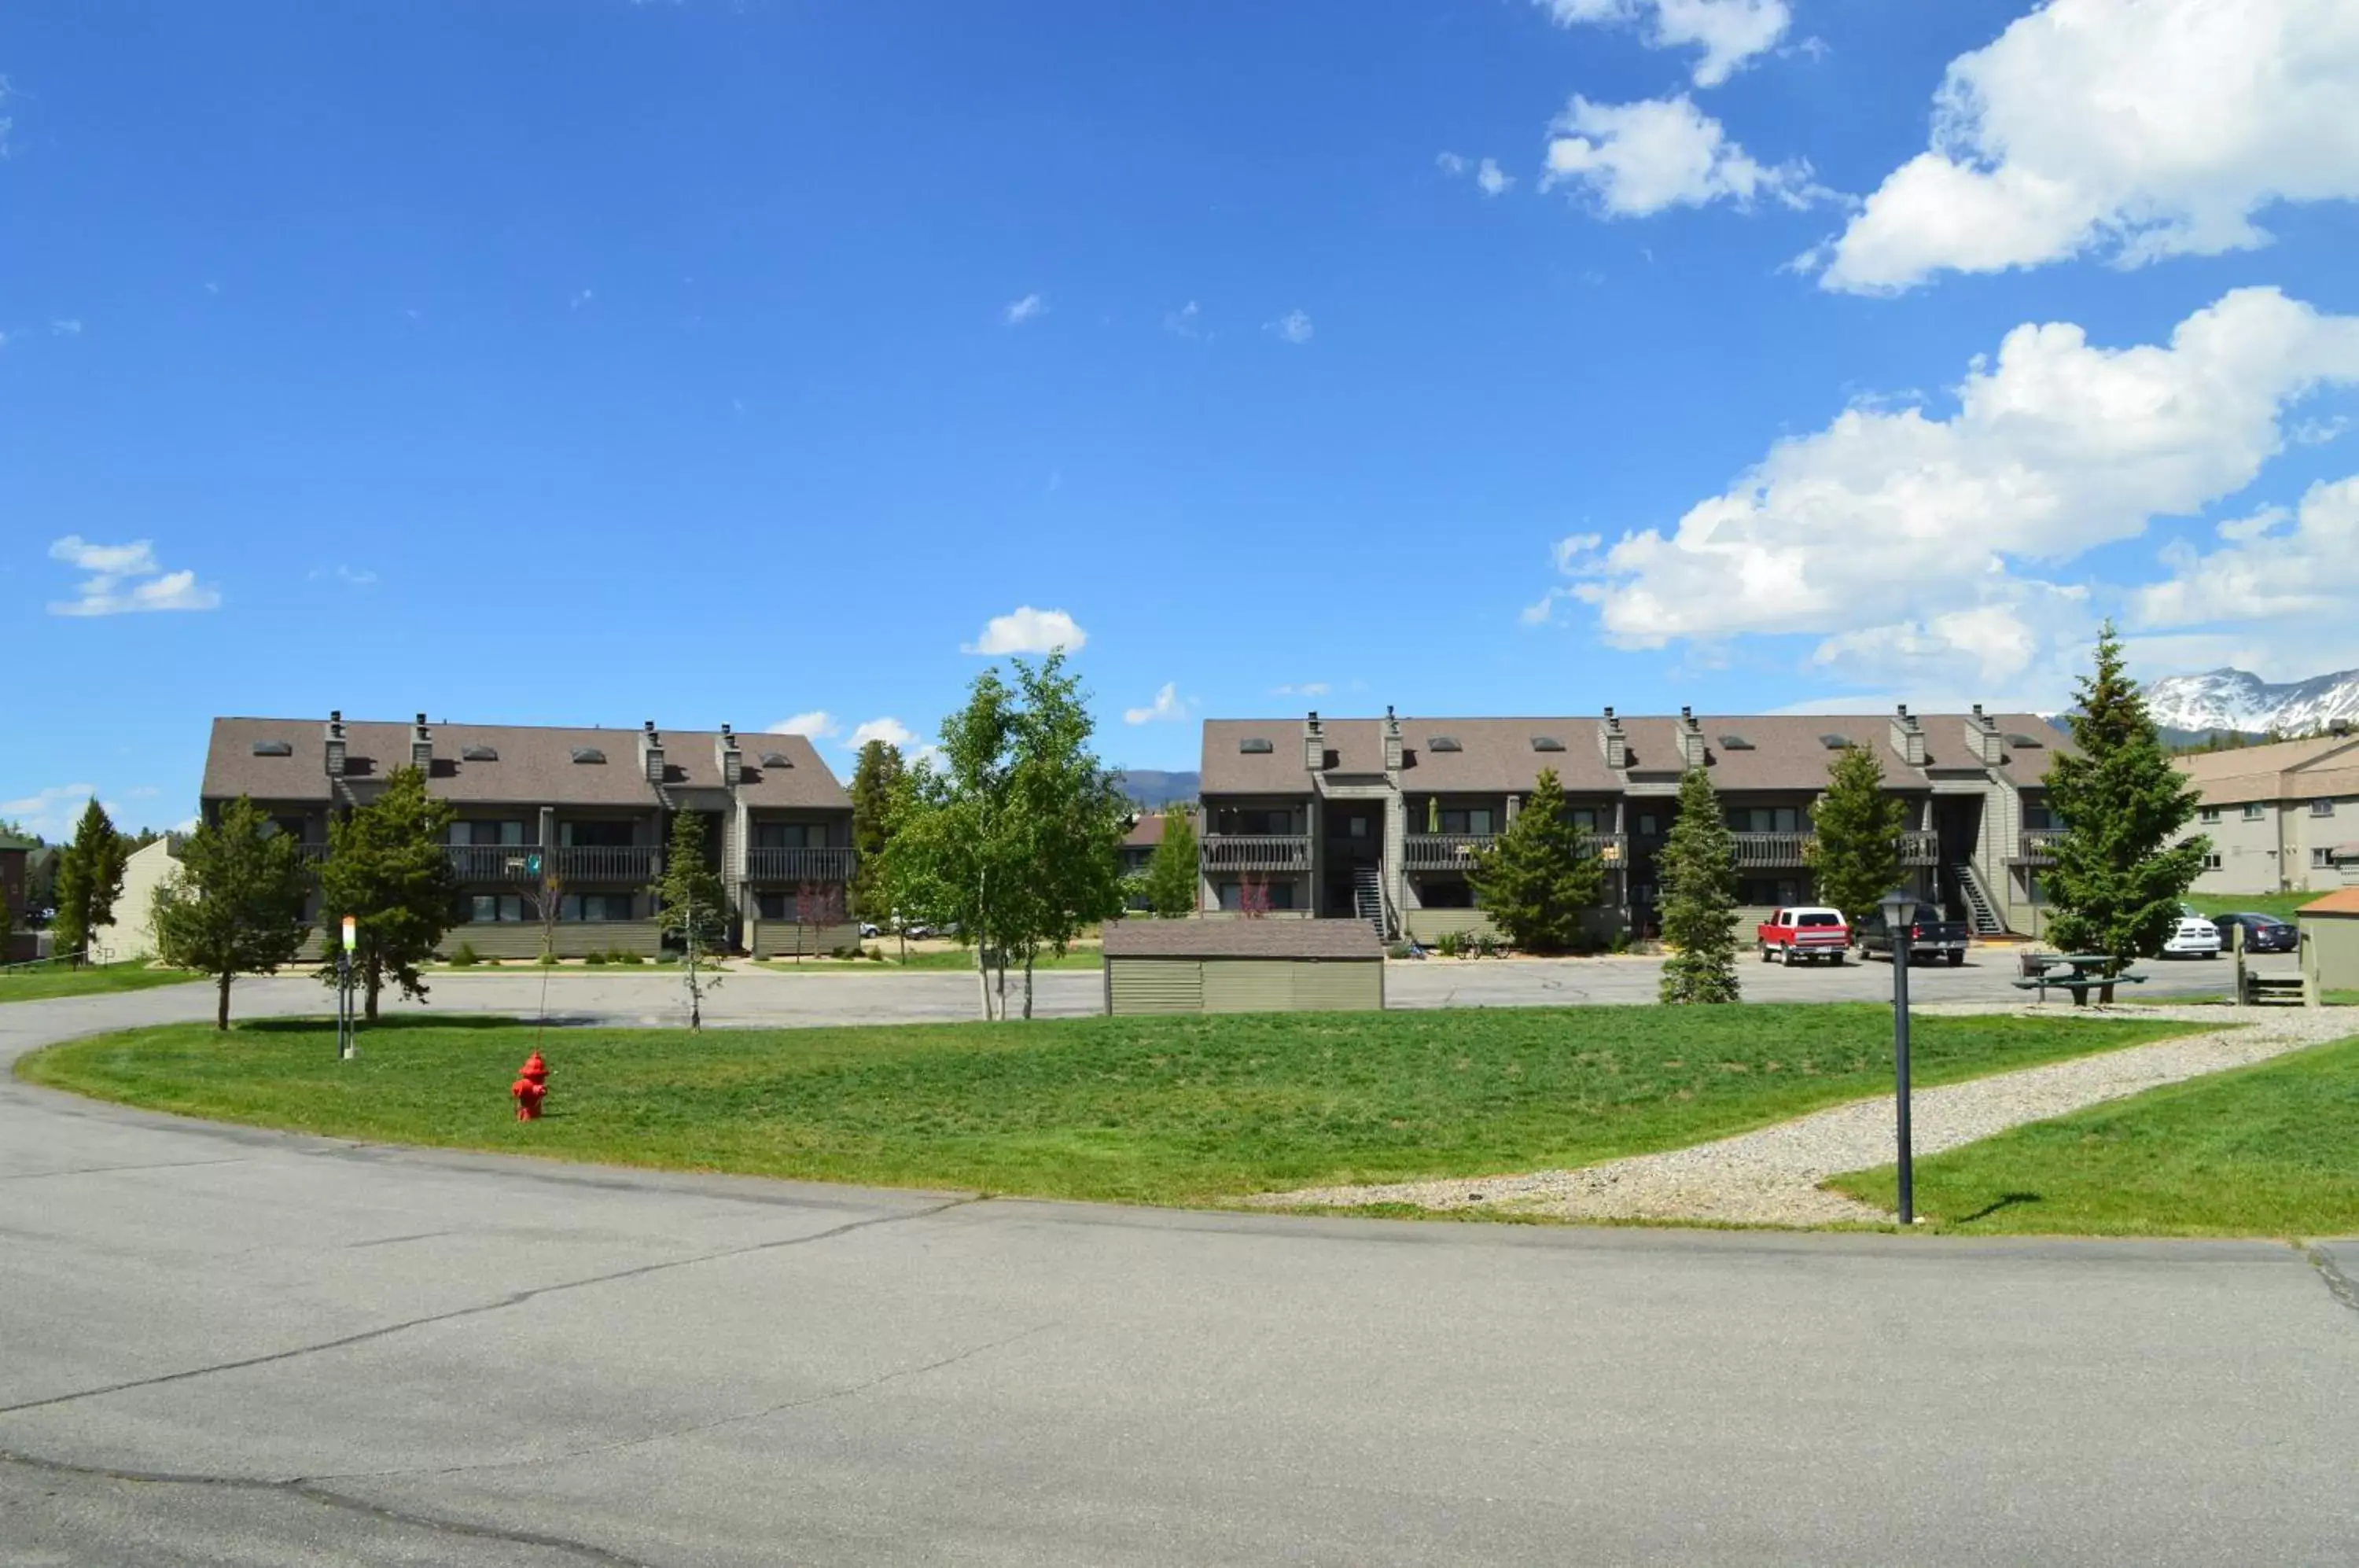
(1028, 986)
(983, 979)
(221, 1014)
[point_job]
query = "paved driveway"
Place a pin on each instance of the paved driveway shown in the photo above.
(225, 1346)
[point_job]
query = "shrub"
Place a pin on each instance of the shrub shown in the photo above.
(597, 958)
(621, 955)
(1398, 949)
(1450, 944)
(877, 953)
(464, 956)
(1487, 945)
(1621, 943)
(547, 961)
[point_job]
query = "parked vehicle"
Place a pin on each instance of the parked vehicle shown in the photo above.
(868, 928)
(1811, 935)
(2262, 933)
(1928, 940)
(2192, 937)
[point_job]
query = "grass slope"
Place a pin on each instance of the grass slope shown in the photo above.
(2271, 1150)
(42, 983)
(1163, 1110)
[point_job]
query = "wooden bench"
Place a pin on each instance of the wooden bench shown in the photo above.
(2283, 990)
(2080, 985)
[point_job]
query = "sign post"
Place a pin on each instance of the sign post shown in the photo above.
(347, 1046)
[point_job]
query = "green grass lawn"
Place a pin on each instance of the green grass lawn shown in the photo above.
(41, 981)
(2271, 1150)
(1160, 1110)
(2281, 905)
(1087, 958)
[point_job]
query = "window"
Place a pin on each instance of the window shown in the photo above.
(1471, 820)
(1646, 825)
(2254, 810)
(2321, 808)
(508, 833)
(777, 759)
(292, 826)
(1765, 818)
(1254, 745)
(1547, 742)
(594, 835)
(1734, 743)
(787, 835)
(588, 754)
(596, 907)
(1445, 893)
(1585, 819)
(487, 909)
(2038, 818)
(2322, 860)
(1356, 827)
(1442, 743)
(273, 748)
(478, 754)
(2209, 814)
(2025, 742)
(2211, 860)
(1774, 891)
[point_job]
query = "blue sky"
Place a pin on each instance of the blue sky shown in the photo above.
(753, 362)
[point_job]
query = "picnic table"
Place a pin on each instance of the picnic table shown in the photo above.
(2077, 973)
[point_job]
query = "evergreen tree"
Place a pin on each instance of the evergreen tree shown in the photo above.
(388, 867)
(1170, 881)
(89, 880)
(692, 906)
(1854, 849)
(236, 906)
(1538, 879)
(874, 779)
(1696, 871)
(2119, 879)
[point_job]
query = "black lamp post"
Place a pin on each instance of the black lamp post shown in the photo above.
(1899, 910)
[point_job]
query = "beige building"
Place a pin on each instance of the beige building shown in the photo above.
(2281, 818)
(591, 807)
(1376, 819)
(132, 933)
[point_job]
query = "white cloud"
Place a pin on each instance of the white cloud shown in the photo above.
(2268, 571)
(1294, 327)
(1186, 321)
(1893, 536)
(1019, 312)
(52, 812)
(104, 592)
(1300, 688)
(1027, 630)
(1450, 163)
(69, 327)
(891, 731)
(1489, 177)
(1638, 158)
(1730, 32)
(580, 298)
(1168, 705)
(2142, 128)
(816, 725)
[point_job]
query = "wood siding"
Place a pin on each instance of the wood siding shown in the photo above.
(1155, 985)
(1244, 984)
(574, 939)
(779, 939)
(1249, 984)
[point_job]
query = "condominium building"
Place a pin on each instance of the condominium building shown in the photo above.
(588, 810)
(1378, 819)
(2281, 818)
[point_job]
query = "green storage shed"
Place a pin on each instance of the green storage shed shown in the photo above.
(1243, 966)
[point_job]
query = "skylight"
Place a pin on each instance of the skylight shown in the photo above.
(273, 748)
(478, 754)
(1736, 743)
(2023, 740)
(1442, 743)
(1547, 742)
(777, 759)
(1834, 742)
(1254, 745)
(588, 754)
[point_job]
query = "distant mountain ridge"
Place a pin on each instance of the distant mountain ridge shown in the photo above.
(1150, 787)
(2239, 700)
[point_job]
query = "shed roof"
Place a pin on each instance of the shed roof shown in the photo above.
(2344, 901)
(1145, 833)
(1242, 939)
(535, 763)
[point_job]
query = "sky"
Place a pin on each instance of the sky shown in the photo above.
(786, 364)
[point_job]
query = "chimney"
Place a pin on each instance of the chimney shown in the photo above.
(1908, 736)
(334, 748)
(1692, 752)
(1314, 744)
(728, 759)
(1983, 743)
(1392, 741)
(421, 746)
(1613, 742)
(651, 761)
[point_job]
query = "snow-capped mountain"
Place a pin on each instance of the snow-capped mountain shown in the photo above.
(2239, 700)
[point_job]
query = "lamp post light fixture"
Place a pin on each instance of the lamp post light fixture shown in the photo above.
(1899, 910)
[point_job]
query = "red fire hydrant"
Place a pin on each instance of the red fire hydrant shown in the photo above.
(530, 1087)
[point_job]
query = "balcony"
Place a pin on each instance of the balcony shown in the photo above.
(495, 862)
(1781, 851)
(1455, 851)
(1255, 851)
(636, 864)
(798, 864)
(312, 854)
(1920, 848)
(2037, 846)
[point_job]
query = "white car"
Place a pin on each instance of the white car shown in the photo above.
(2192, 937)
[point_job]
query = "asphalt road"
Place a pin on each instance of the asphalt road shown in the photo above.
(222, 1346)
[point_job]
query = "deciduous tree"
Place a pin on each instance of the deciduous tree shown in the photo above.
(1540, 876)
(1854, 851)
(236, 905)
(89, 880)
(1696, 871)
(388, 868)
(1171, 889)
(2119, 879)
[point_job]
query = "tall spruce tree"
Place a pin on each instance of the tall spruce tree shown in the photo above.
(236, 906)
(1538, 879)
(874, 777)
(388, 870)
(89, 880)
(2117, 881)
(1696, 872)
(1171, 885)
(1856, 824)
(692, 906)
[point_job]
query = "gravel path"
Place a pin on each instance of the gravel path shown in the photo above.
(1772, 1176)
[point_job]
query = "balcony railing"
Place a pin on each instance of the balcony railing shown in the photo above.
(495, 862)
(2038, 846)
(823, 865)
(1771, 849)
(1255, 851)
(638, 865)
(312, 853)
(1455, 851)
(1920, 848)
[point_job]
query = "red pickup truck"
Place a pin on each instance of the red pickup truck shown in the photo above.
(1813, 934)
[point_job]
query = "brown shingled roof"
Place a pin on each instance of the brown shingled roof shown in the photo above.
(1242, 939)
(535, 766)
(2344, 901)
(1146, 833)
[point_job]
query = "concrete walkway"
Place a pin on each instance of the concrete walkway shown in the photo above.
(1773, 1176)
